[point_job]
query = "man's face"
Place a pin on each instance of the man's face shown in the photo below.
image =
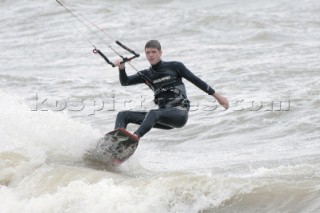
(153, 55)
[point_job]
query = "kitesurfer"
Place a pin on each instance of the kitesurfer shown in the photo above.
(165, 80)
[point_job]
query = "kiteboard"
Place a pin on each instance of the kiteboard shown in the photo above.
(114, 148)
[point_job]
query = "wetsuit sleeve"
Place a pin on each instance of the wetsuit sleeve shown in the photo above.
(126, 80)
(187, 74)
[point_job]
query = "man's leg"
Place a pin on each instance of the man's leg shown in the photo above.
(136, 117)
(126, 117)
(168, 118)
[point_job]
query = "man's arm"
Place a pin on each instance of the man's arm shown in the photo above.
(187, 74)
(126, 80)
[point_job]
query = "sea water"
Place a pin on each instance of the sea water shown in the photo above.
(57, 98)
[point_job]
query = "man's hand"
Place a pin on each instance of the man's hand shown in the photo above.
(221, 100)
(121, 66)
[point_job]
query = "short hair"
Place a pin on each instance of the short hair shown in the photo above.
(153, 44)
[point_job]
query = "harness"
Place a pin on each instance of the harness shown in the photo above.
(180, 98)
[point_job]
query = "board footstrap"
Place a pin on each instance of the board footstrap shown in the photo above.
(130, 135)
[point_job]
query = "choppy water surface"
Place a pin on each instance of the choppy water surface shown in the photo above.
(57, 98)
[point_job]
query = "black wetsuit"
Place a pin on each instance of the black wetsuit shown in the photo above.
(165, 79)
